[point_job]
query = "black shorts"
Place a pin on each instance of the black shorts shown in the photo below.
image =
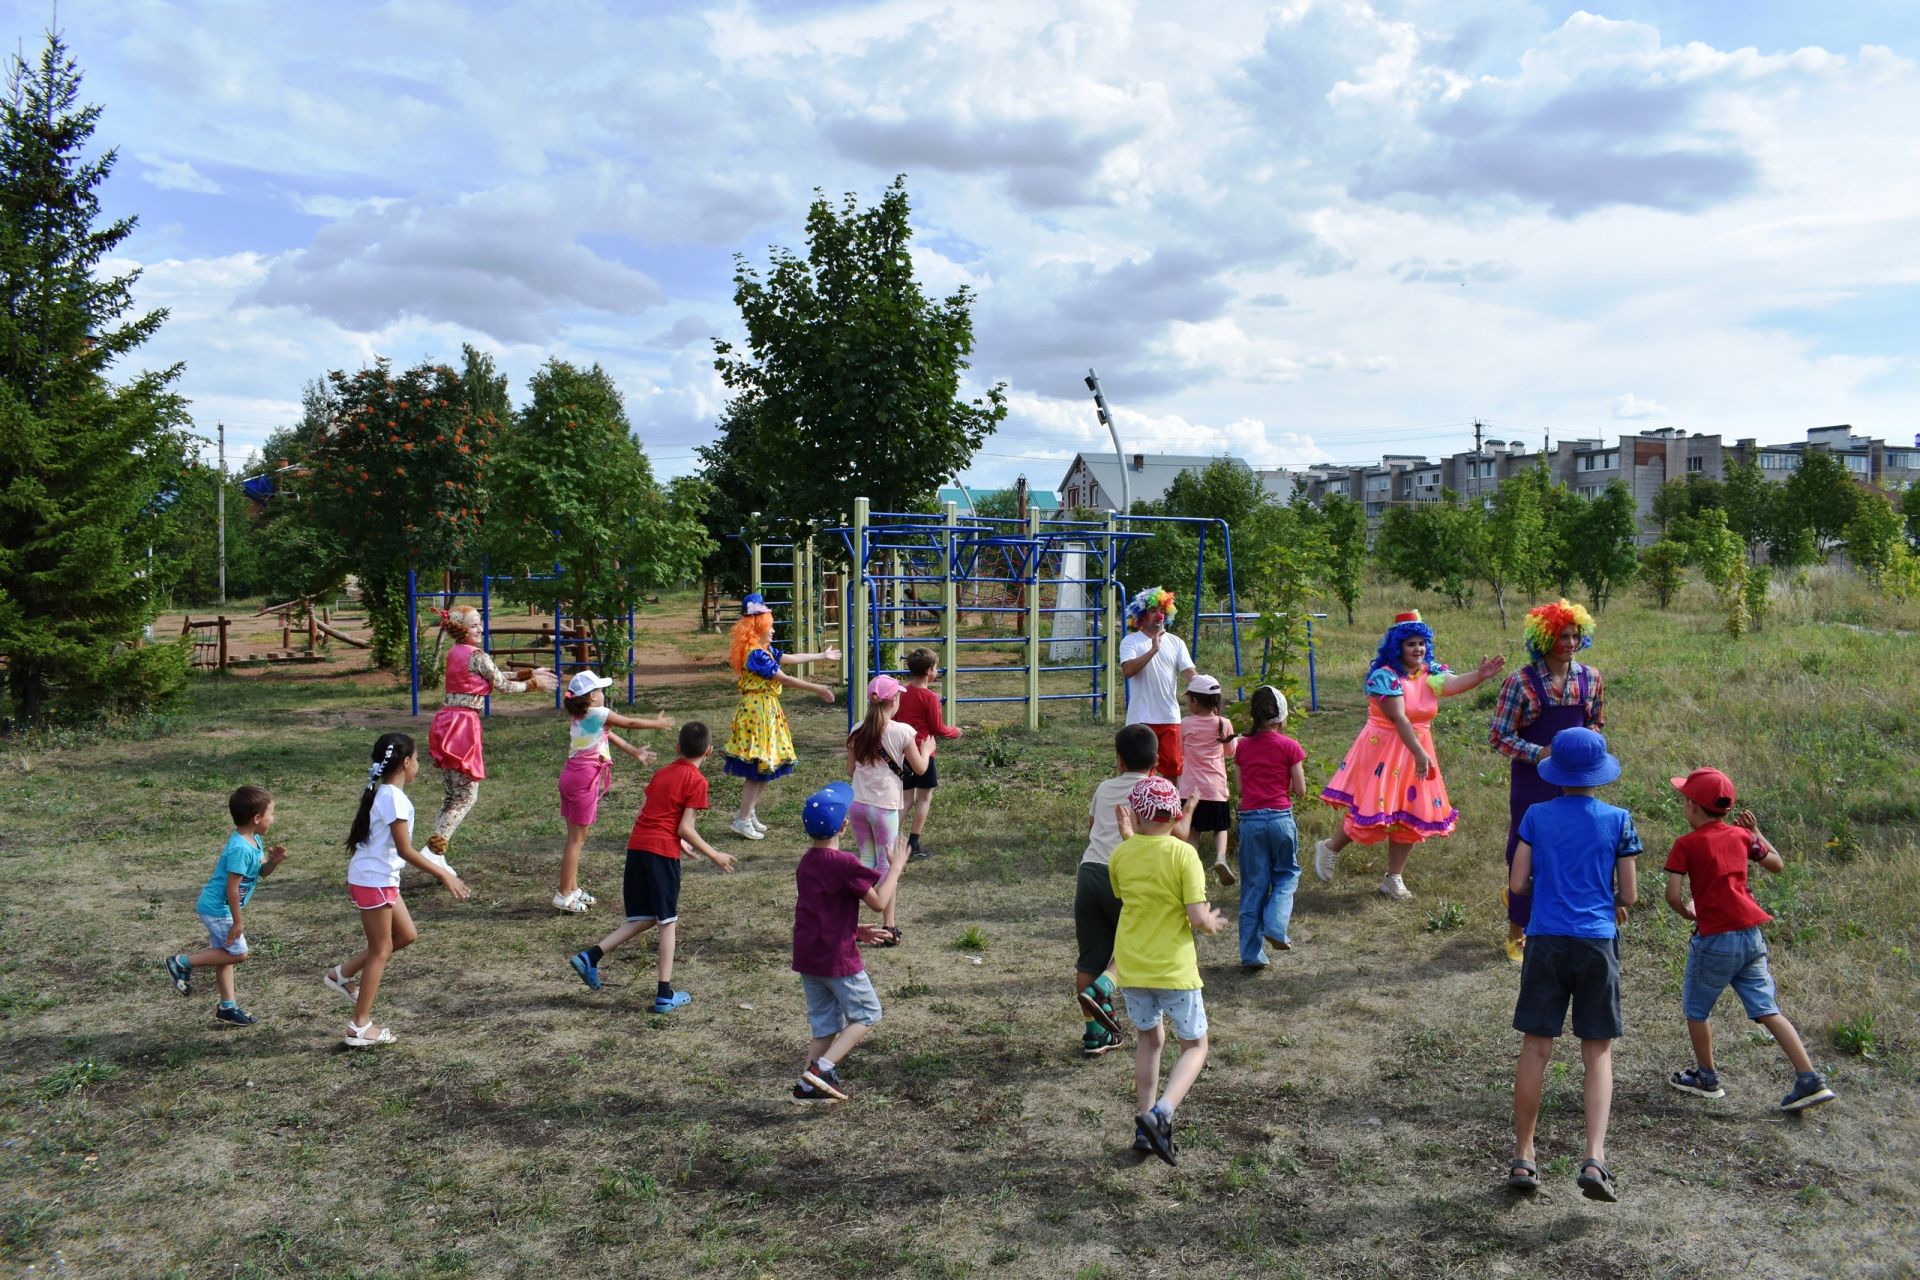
(1559, 970)
(911, 781)
(1096, 917)
(652, 887)
(1212, 815)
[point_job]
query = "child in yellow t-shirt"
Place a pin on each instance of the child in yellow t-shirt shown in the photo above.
(1163, 895)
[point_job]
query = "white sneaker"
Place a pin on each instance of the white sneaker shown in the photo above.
(754, 819)
(1394, 887)
(569, 902)
(741, 827)
(1323, 856)
(438, 859)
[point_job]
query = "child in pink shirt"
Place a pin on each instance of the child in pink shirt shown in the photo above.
(1272, 776)
(1206, 744)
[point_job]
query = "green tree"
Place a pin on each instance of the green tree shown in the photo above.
(1285, 580)
(1345, 524)
(299, 557)
(844, 352)
(1231, 493)
(1722, 556)
(1751, 503)
(571, 491)
(185, 560)
(1436, 546)
(1516, 538)
(1819, 497)
(396, 482)
(83, 461)
(1600, 543)
(1663, 568)
(1873, 535)
(1910, 513)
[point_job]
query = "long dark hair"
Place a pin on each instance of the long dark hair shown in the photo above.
(866, 739)
(391, 751)
(1266, 709)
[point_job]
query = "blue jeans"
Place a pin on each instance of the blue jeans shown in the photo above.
(1269, 873)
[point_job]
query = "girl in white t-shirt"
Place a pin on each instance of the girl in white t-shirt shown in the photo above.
(381, 845)
(588, 774)
(877, 754)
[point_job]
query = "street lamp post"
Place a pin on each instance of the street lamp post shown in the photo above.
(1106, 420)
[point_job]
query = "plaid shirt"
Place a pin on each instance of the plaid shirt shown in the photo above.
(1518, 708)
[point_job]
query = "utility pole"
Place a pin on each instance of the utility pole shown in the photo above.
(1476, 457)
(1106, 420)
(220, 502)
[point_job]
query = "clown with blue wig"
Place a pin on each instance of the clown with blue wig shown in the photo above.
(1389, 785)
(1552, 692)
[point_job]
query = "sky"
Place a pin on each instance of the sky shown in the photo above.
(1311, 231)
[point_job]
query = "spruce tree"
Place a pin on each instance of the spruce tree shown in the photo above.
(83, 460)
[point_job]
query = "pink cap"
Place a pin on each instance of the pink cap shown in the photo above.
(884, 688)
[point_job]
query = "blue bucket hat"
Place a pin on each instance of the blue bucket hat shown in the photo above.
(1579, 759)
(825, 811)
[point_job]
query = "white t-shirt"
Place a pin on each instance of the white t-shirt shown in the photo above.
(1153, 696)
(877, 785)
(376, 862)
(1104, 838)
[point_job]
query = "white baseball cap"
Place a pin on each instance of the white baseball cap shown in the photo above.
(1203, 684)
(584, 683)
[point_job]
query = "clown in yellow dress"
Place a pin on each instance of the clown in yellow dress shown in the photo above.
(759, 745)
(1389, 786)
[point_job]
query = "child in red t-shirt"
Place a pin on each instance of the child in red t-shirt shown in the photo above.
(920, 709)
(1727, 949)
(664, 828)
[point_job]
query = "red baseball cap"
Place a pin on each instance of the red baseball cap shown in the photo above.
(1711, 789)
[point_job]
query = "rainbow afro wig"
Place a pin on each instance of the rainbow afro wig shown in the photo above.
(1545, 624)
(1406, 626)
(1153, 598)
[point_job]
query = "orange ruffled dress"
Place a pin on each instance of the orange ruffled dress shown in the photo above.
(1376, 783)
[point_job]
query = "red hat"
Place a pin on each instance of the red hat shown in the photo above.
(1711, 789)
(1411, 615)
(1154, 799)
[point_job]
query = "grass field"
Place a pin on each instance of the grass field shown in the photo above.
(1354, 1119)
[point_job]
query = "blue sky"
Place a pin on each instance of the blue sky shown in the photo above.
(1303, 231)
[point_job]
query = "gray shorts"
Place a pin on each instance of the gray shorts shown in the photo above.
(832, 1003)
(218, 927)
(1184, 1009)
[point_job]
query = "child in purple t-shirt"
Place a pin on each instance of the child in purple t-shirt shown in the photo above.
(841, 1004)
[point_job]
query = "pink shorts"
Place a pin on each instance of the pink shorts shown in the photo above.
(368, 898)
(583, 780)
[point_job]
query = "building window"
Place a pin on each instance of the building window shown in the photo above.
(1696, 465)
(1857, 462)
(1904, 461)
(1600, 461)
(1779, 461)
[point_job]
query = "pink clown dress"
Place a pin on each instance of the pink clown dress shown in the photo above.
(453, 741)
(1377, 784)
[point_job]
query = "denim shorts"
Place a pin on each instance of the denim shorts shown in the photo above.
(1717, 961)
(1184, 1009)
(218, 927)
(832, 1003)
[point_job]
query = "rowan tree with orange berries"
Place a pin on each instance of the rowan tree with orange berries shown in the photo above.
(398, 478)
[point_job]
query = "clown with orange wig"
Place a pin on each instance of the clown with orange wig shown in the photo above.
(759, 744)
(1157, 667)
(1552, 692)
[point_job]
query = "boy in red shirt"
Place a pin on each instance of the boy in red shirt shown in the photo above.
(832, 884)
(1727, 948)
(665, 826)
(920, 709)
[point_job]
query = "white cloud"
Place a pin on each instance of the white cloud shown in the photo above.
(1628, 405)
(176, 175)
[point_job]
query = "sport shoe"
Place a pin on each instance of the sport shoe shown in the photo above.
(1323, 856)
(746, 830)
(1098, 1006)
(667, 1004)
(1697, 1081)
(182, 974)
(804, 1092)
(826, 1081)
(1159, 1131)
(1392, 886)
(1141, 1142)
(588, 971)
(1809, 1090)
(753, 820)
(918, 853)
(236, 1015)
(1099, 1041)
(569, 902)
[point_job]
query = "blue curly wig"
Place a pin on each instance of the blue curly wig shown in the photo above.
(1388, 654)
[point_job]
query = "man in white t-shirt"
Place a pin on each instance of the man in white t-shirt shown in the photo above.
(1157, 666)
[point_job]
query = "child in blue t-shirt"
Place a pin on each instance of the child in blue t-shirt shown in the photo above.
(1575, 855)
(226, 895)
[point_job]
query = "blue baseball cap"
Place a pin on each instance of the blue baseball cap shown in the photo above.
(825, 811)
(1579, 759)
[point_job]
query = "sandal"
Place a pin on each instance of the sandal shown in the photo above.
(1597, 1185)
(893, 936)
(335, 981)
(1523, 1175)
(1224, 873)
(366, 1037)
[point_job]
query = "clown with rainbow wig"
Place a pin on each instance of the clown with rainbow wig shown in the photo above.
(1389, 785)
(1552, 692)
(1157, 667)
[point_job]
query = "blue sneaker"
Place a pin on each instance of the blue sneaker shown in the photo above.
(589, 974)
(182, 975)
(1808, 1091)
(667, 1004)
(235, 1014)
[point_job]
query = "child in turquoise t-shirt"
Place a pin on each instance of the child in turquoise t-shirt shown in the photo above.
(242, 862)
